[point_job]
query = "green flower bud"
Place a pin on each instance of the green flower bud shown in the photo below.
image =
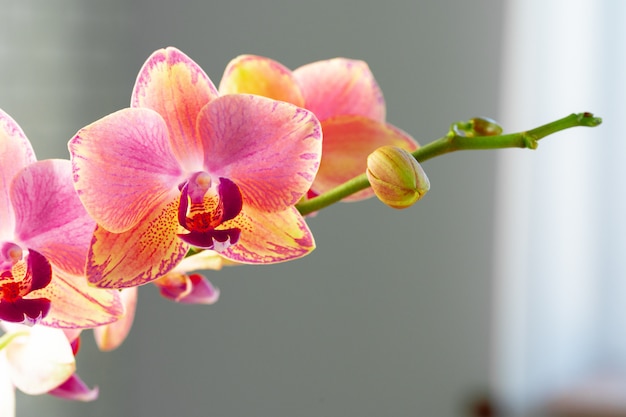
(396, 177)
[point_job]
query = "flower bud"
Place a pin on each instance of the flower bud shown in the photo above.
(396, 177)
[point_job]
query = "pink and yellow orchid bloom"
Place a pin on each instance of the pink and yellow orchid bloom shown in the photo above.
(344, 96)
(44, 241)
(177, 285)
(185, 167)
(37, 360)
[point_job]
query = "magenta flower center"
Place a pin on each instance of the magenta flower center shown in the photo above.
(204, 208)
(19, 276)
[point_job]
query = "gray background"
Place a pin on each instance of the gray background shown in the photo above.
(390, 316)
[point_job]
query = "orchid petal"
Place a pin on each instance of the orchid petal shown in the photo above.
(7, 389)
(348, 140)
(270, 149)
(140, 255)
(77, 304)
(123, 167)
(39, 270)
(16, 153)
(18, 300)
(175, 86)
(216, 239)
(250, 74)
(25, 311)
(270, 237)
(40, 361)
(340, 86)
(50, 218)
(111, 336)
(75, 389)
(207, 259)
(188, 289)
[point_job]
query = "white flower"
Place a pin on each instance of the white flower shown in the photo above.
(34, 360)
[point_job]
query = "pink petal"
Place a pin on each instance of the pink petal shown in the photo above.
(177, 88)
(16, 153)
(40, 361)
(74, 303)
(270, 237)
(50, 217)
(123, 167)
(270, 149)
(140, 255)
(340, 86)
(348, 140)
(188, 289)
(75, 389)
(111, 336)
(250, 74)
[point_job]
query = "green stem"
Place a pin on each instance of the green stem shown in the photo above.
(8, 337)
(451, 143)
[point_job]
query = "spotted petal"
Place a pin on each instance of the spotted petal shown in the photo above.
(16, 153)
(175, 86)
(270, 149)
(123, 167)
(139, 255)
(340, 86)
(250, 74)
(50, 218)
(270, 237)
(348, 140)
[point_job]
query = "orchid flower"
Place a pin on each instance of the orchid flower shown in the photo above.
(344, 96)
(181, 286)
(177, 285)
(37, 360)
(184, 166)
(44, 241)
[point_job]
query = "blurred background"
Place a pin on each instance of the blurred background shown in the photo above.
(501, 293)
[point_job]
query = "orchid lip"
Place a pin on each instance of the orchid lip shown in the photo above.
(204, 207)
(19, 279)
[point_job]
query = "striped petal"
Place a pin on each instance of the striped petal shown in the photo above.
(177, 88)
(139, 255)
(348, 140)
(270, 149)
(251, 74)
(270, 237)
(50, 218)
(123, 167)
(76, 304)
(16, 153)
(340, 86)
